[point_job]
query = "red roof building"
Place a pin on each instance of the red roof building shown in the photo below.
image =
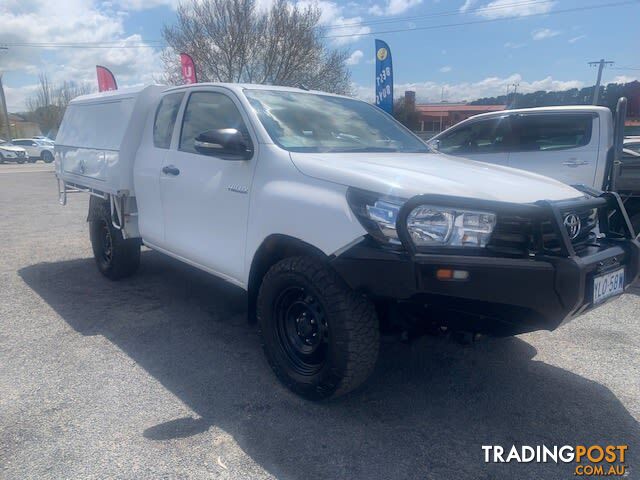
(432, 118)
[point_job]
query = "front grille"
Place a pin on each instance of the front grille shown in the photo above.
(20, 154)
(519, 236)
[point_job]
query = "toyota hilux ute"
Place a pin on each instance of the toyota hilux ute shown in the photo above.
(328, 213)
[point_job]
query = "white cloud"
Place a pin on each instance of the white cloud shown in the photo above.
(334, 19)
(514, 45)
(445, 69)
(467, 91)
(509, 8)
(355, 58)
(143, 4)
(71, 21)
(467, 5)
(622, 79)
(577, 39)
(544, 33)
(393, 7)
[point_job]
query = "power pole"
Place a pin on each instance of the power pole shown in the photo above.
(600, 64)
(515, 92)
(5, 114)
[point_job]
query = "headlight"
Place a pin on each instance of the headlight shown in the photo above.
(431, 226)
(376, 213)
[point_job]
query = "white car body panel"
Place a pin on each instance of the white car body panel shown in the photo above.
(217, 213)
(10, 151)
(580, 165)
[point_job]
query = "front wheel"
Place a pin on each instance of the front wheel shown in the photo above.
(20, 161)
(47, 157)
(320, 338)
(115, 256)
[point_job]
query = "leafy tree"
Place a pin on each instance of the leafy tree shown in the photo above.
(47, 106)
(232, 41)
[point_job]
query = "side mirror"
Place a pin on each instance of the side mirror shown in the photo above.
(224, 142)
(435, 144)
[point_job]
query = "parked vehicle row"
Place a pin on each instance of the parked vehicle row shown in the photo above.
(332, 216)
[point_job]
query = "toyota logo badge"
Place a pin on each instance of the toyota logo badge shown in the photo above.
(572, 224)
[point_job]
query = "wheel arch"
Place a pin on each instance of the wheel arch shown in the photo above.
(274, 248)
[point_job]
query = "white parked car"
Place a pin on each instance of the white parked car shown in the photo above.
(329, 213)
(9, 153)
(573, 144)
(36, 149)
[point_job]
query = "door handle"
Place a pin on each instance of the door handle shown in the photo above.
(575, 163)
(171, 170)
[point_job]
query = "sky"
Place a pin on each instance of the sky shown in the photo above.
(454, 50)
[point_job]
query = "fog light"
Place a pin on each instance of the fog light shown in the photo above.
(449, 274)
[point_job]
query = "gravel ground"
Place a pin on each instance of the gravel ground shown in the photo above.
(160, 376)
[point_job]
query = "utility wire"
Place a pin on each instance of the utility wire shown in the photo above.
(160, 43)
(477, 22)
(488, 8)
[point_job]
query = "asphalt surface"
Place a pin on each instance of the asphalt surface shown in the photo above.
(160, 376)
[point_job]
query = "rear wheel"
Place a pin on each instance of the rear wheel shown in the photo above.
(320, 337)
(1, 158)
(115, 256)
(47, 157)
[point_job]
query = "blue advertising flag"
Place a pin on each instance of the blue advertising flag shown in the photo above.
(384, 77)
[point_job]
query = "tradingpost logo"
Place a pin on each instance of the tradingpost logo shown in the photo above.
(590, 460)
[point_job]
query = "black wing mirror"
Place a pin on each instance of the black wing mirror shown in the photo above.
(227, 143)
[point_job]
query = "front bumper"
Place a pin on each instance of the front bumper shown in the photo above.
(501, 295)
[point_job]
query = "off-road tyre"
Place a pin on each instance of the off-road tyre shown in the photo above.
(307, 289)
(115, 256)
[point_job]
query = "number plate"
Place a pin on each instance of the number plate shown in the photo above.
(608, 285)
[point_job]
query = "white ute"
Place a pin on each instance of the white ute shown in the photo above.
(333, 216)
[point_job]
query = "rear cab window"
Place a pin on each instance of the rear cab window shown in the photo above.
(165, 119)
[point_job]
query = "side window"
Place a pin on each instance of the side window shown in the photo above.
(18, 142)
(166, 119)
(208, 111)
(484, 136)
(536, 133)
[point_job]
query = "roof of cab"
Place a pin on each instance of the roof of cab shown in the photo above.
(236, 87)
(554, 109)
(239, 87)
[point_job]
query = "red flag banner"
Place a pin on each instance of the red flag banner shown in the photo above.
(188, 69)
(106, 80)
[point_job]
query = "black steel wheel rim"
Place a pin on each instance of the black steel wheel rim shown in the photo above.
(107, 244)
(302, 329)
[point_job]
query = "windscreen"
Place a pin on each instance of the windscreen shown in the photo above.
(309, 122)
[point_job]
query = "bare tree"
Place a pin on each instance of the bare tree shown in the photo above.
(231, 41)
(47, 106)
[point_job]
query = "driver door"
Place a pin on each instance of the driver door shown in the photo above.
(484, 140)
(205, 198)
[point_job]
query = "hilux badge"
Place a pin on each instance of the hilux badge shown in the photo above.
(572, 224)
